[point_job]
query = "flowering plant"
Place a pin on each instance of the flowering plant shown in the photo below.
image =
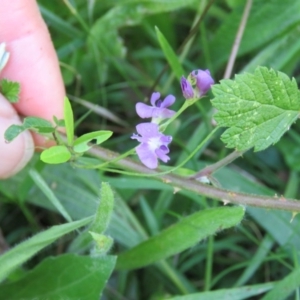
(194, 197)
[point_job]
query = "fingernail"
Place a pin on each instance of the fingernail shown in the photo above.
(16, 154)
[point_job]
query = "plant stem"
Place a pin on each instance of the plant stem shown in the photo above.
(190, 184)
(218, 165)
(237, 40)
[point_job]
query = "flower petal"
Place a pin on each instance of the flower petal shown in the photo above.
(146, 156)
(147, 130)
(162, 113)
(165, 139)
(168, 101)
(154, 97)
(143, 110)
(162, 155)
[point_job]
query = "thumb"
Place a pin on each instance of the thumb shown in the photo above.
(16, 154)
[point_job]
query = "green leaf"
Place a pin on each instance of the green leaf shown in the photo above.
(38, 124)
(170, 55)
(55, 155)
(81, 144)
(69, 120)
(25, 250)
(59, 123)
(229, 294)
(10, 90)
(258, 108)
(12, 132)
(104, 210)
(40, 182)
(180, 236)
(67, 276)
(285, 287)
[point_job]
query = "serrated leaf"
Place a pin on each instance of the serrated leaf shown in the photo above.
(69, 120)
(38, 124)
(10, 90)
(55, 155)
(67, 276)
(81, 144)
(258, 108)
(12, 132)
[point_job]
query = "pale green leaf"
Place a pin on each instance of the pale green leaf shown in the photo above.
(25, 250)
(67, 276)
(258, 108)
(180, 236)
(10, 90)
(55, 155)
(170, 55)
(69, 120)
(81, 144)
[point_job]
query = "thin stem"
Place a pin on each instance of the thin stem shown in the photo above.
(237, 41)
(185, 105)
(209, 263)
(218, 165)
(181, 182)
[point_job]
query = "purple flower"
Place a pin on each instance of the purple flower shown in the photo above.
(154, 144)
(158, 110)
(187, 89)
(203, 80)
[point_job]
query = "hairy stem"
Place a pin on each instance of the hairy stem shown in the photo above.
(190, 184)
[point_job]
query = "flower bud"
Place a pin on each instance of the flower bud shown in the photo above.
(203, 80)
(187, 89)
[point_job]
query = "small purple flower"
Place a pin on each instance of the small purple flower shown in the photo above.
(154, 144)
(158, 111)
(203, 80)
(187, 89)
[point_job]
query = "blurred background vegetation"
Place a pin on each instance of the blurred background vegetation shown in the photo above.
(110, 59)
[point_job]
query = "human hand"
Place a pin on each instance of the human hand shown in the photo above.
(33, 63)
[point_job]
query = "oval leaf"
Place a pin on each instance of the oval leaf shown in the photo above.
(12, 132)
(38, 124)
(67, 276)
(55, 155)
(81, 144)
